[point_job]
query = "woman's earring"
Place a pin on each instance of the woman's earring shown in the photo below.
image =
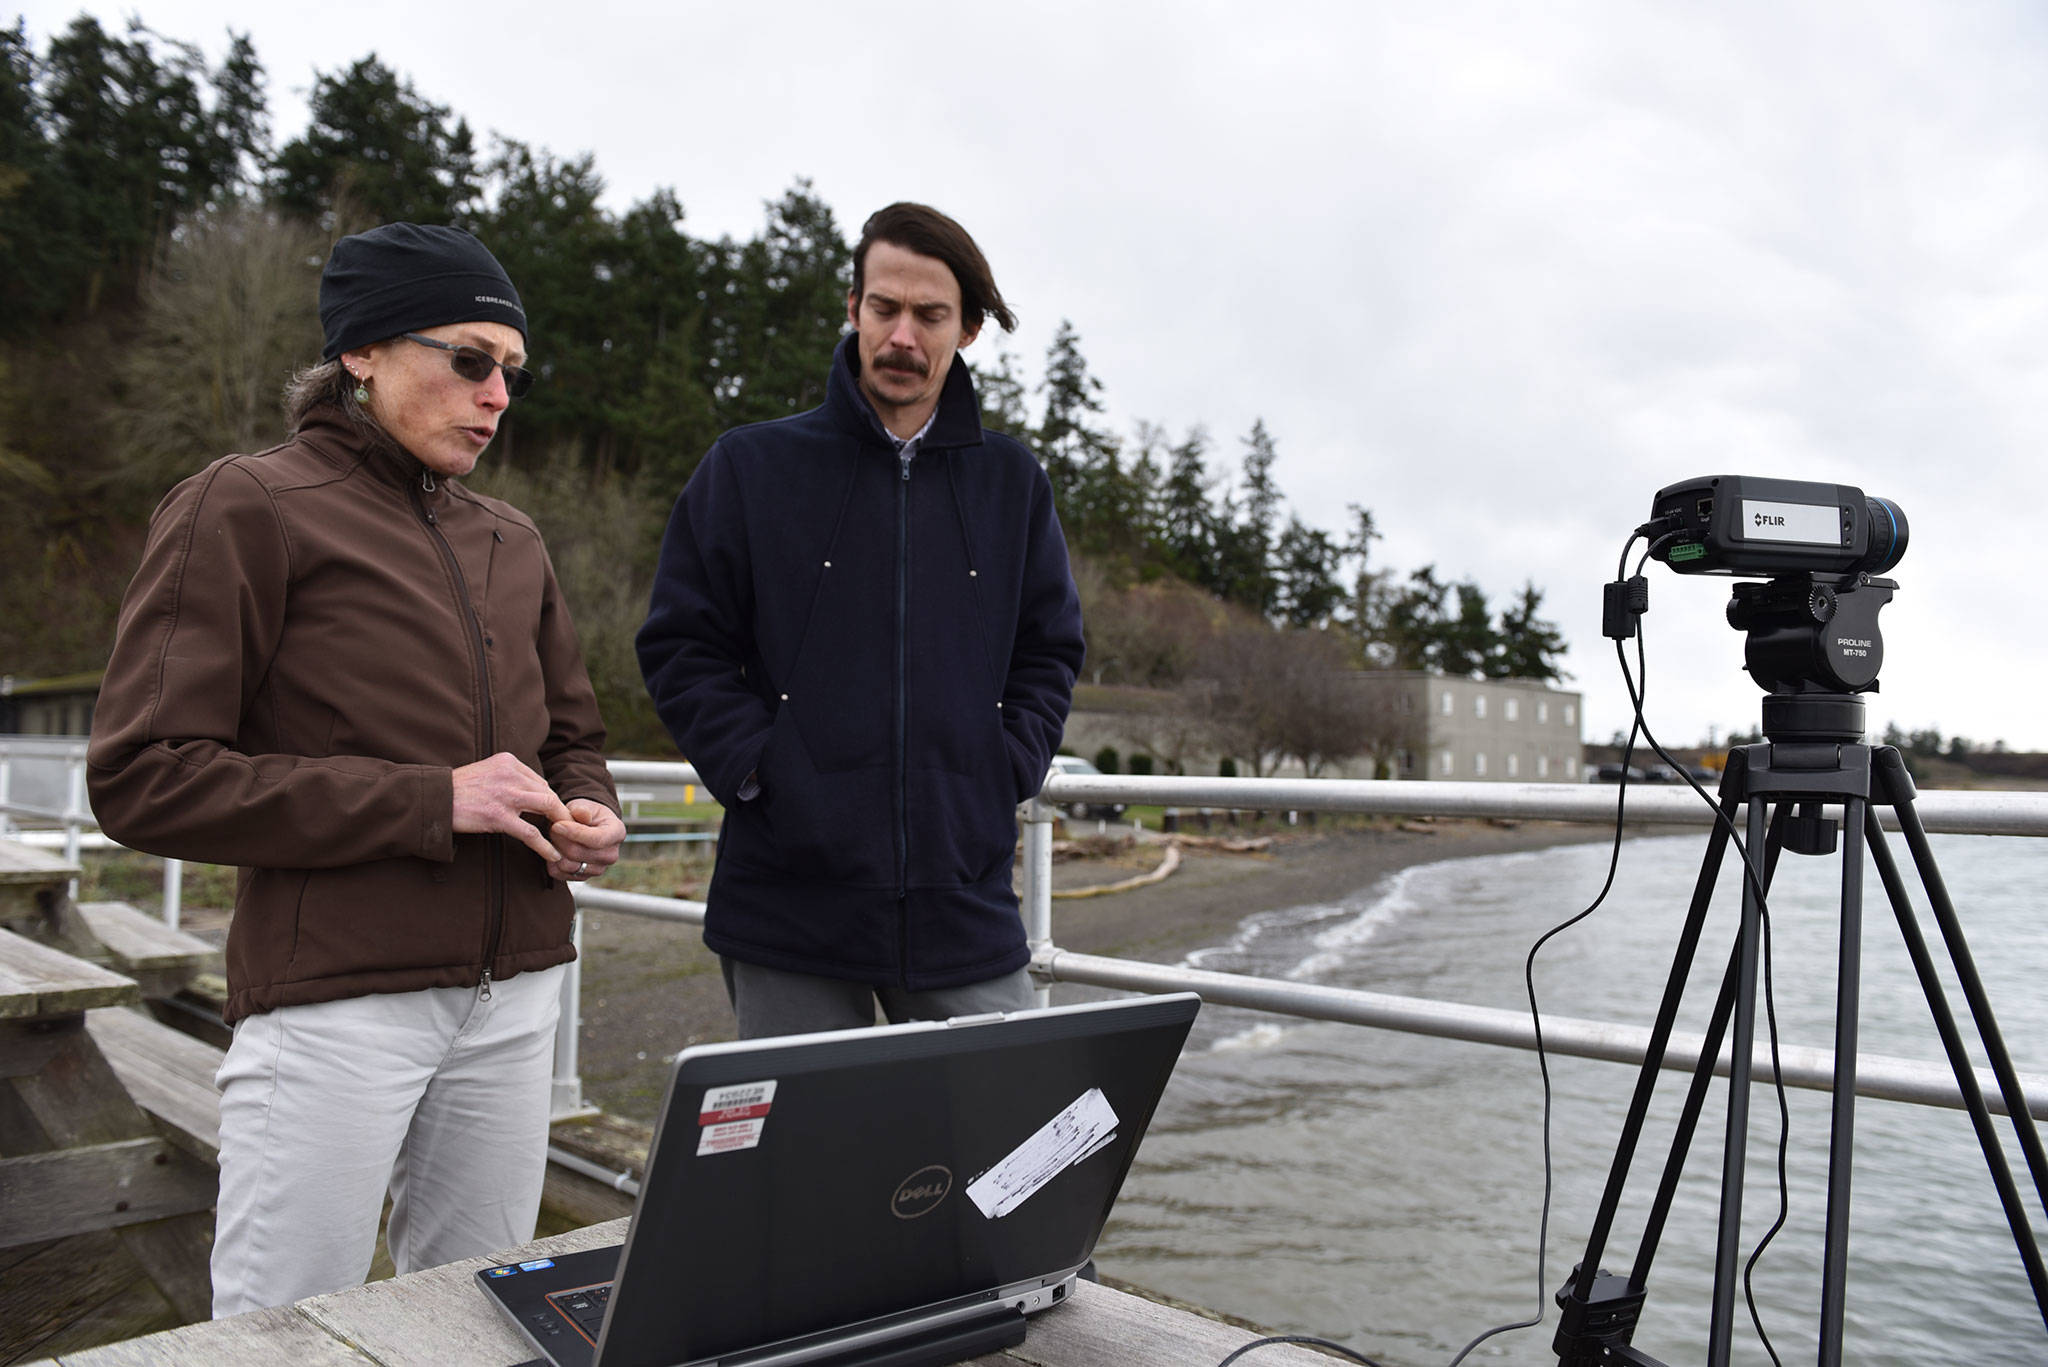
(362, 394)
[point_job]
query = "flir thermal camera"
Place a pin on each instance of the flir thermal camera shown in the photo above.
(1742, 525)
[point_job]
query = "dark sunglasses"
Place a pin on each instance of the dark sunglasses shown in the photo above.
(476, 366)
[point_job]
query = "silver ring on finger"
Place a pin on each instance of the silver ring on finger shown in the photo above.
(583, 868)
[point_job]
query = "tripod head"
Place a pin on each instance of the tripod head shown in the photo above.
(1813, 646)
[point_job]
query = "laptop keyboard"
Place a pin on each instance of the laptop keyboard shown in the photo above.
(584, 1307)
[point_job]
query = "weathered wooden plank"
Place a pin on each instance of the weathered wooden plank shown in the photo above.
(1098, 1327)
(59, 1284)
(169, 1074)
(21, 863)
(101, 1186)
(141, 940)
(76, 1098)
(26, 1047)
(136, 1308)
(38, 982)
(161, 959)
(177, 1257)
(438, 1316)
(261, 1338)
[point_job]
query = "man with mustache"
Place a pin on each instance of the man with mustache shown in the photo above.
(864, 634)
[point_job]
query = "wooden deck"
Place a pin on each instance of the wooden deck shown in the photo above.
(438, 1318)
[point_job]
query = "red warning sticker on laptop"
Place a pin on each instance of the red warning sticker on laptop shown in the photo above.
(732, 1117)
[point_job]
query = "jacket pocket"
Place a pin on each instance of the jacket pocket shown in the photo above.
(810, 825)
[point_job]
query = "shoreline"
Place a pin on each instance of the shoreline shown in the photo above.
(650, 988)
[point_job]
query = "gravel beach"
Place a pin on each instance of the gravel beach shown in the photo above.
(650, 988)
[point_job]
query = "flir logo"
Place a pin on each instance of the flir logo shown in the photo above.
(1767, 520)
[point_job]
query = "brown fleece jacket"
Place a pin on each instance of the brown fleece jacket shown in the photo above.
(316, 638)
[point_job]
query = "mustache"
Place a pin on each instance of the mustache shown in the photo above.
(901, 360)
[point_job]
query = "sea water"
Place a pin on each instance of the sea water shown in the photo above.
(1385, 1190)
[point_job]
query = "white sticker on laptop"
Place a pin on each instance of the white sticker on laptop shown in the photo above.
(1080, 1130)
(730, 1137)
(740, 1101)
(732, 1117)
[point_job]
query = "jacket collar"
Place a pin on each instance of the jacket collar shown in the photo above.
(328, 432)
(957, 421)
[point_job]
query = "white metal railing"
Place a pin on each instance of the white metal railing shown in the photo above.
(1948, 812)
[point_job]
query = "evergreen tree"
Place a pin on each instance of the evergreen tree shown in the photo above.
(1184, 535)
(1080, 457)
(374, 151)
(782, 311)
(1000, 390)
(1413, 621)
(1306, 566)
(1529, 646)
(545, 227)
(1466, 643)
(1246, 538)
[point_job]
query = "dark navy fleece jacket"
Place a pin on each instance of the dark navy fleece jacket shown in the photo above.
(891, 655)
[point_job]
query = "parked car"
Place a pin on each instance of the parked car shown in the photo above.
(1611, 773)
(1074, 764)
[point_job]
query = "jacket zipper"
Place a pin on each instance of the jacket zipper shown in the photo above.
(903, 720)
(494, 885)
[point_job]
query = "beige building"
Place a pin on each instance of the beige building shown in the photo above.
(1479, 730)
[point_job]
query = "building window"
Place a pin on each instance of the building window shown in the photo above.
(1479, 765)
(1543, 766)
(1447, 704)
(1568, 715)
(1446, 763)
(1511, 709)
(1478, 704)
(1542, 712)
(1514, 765)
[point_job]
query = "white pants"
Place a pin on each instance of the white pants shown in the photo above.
(439, 1095)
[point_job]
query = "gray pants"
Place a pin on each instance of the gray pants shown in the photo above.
(770, 1001)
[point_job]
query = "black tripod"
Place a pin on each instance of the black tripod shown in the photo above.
(1813, 755)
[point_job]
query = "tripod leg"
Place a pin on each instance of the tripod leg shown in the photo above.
(1653, 1060)
(1702, 1076)
(1959, 1060)
(1973, 992)
(1734, 1151)
(1842, 1130)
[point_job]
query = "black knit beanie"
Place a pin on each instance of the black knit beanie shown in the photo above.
(403, 277)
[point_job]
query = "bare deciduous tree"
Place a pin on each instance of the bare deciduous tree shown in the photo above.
(230, 311)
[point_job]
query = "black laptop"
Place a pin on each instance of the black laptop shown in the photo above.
(898, 1195)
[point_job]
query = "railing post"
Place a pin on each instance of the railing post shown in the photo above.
(174, 891)
(6, 788)
(1035, 891)
(567, 1095)
(75, 810)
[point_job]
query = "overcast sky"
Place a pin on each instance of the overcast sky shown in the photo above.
(1495, 271)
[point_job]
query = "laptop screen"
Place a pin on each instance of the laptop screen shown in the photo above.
(799, 1186)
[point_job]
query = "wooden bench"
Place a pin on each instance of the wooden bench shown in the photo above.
(169, 1073)
(87, 1178)
(162, 960)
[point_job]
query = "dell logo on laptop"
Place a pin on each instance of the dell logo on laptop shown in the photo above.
(921, 1192)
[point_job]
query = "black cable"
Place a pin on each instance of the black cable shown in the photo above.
(1764, 921)
(1536, 1013)
(1784, 1142)
(1297, 1338)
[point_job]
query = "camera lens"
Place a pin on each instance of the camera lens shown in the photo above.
(1887, 536)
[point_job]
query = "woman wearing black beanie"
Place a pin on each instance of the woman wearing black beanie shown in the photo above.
(342, 671)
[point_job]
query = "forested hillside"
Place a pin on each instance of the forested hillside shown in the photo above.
(160, 248)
